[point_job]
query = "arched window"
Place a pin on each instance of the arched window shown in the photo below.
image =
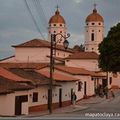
(54, 24)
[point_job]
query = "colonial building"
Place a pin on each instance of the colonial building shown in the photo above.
(27, 73)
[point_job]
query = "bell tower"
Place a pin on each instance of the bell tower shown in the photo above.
(94, 31)
(57, 25)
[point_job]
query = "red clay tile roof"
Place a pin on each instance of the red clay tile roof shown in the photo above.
(94, 17)
(8, 86)
(73, 70)
(78, 71)
(58, 58)
(7, 58)
(57, 76)
(36, 78)
(24, 65)
(83, 55)
(41, 43)
(7, 74)
(34, 43)
(57, 18)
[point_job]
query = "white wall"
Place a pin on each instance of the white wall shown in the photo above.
(66, 90)
(42, 96)
(7, 104)
(24, 108)
(57, 29)
(89, 86)
(98, 31)
(43, 93)
(32, 54)
(115, 79)
(87, 64)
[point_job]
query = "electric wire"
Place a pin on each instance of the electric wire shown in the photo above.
(41, 12)
(33, 18)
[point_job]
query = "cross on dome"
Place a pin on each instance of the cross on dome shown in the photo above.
(95, 5)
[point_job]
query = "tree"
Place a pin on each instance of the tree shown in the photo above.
(109, 58)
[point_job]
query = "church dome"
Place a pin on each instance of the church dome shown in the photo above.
(57, 18)
(94, 17)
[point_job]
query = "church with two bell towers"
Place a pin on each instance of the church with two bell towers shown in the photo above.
(94, 29)
(26, 75)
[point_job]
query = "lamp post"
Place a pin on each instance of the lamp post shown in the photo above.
(52, 53)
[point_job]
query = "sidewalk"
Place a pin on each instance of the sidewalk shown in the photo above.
(80, 105)
(62, 110)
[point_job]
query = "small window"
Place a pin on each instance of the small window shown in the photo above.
(110, 82)
(93, 23)
(35, 97)
(92, 36)
(54, 24)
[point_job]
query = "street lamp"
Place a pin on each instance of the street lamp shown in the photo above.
(52, 53)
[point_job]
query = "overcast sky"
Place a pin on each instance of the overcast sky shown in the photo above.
(17, 26)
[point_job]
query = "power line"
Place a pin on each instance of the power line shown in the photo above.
(40, 11)
(28, 8)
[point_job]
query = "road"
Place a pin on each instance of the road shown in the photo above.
(108, 108)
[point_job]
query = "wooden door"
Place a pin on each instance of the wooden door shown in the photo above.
(60, 97)
(71, 95)
(18, 103)
(85, 88)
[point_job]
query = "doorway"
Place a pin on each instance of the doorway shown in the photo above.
(48, 99)
(60, 97)
(85, 88)
(71, 95)
(104, 83)
(18, 103)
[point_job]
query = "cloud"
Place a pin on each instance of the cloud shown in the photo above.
(78, 1)
(76, 39)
